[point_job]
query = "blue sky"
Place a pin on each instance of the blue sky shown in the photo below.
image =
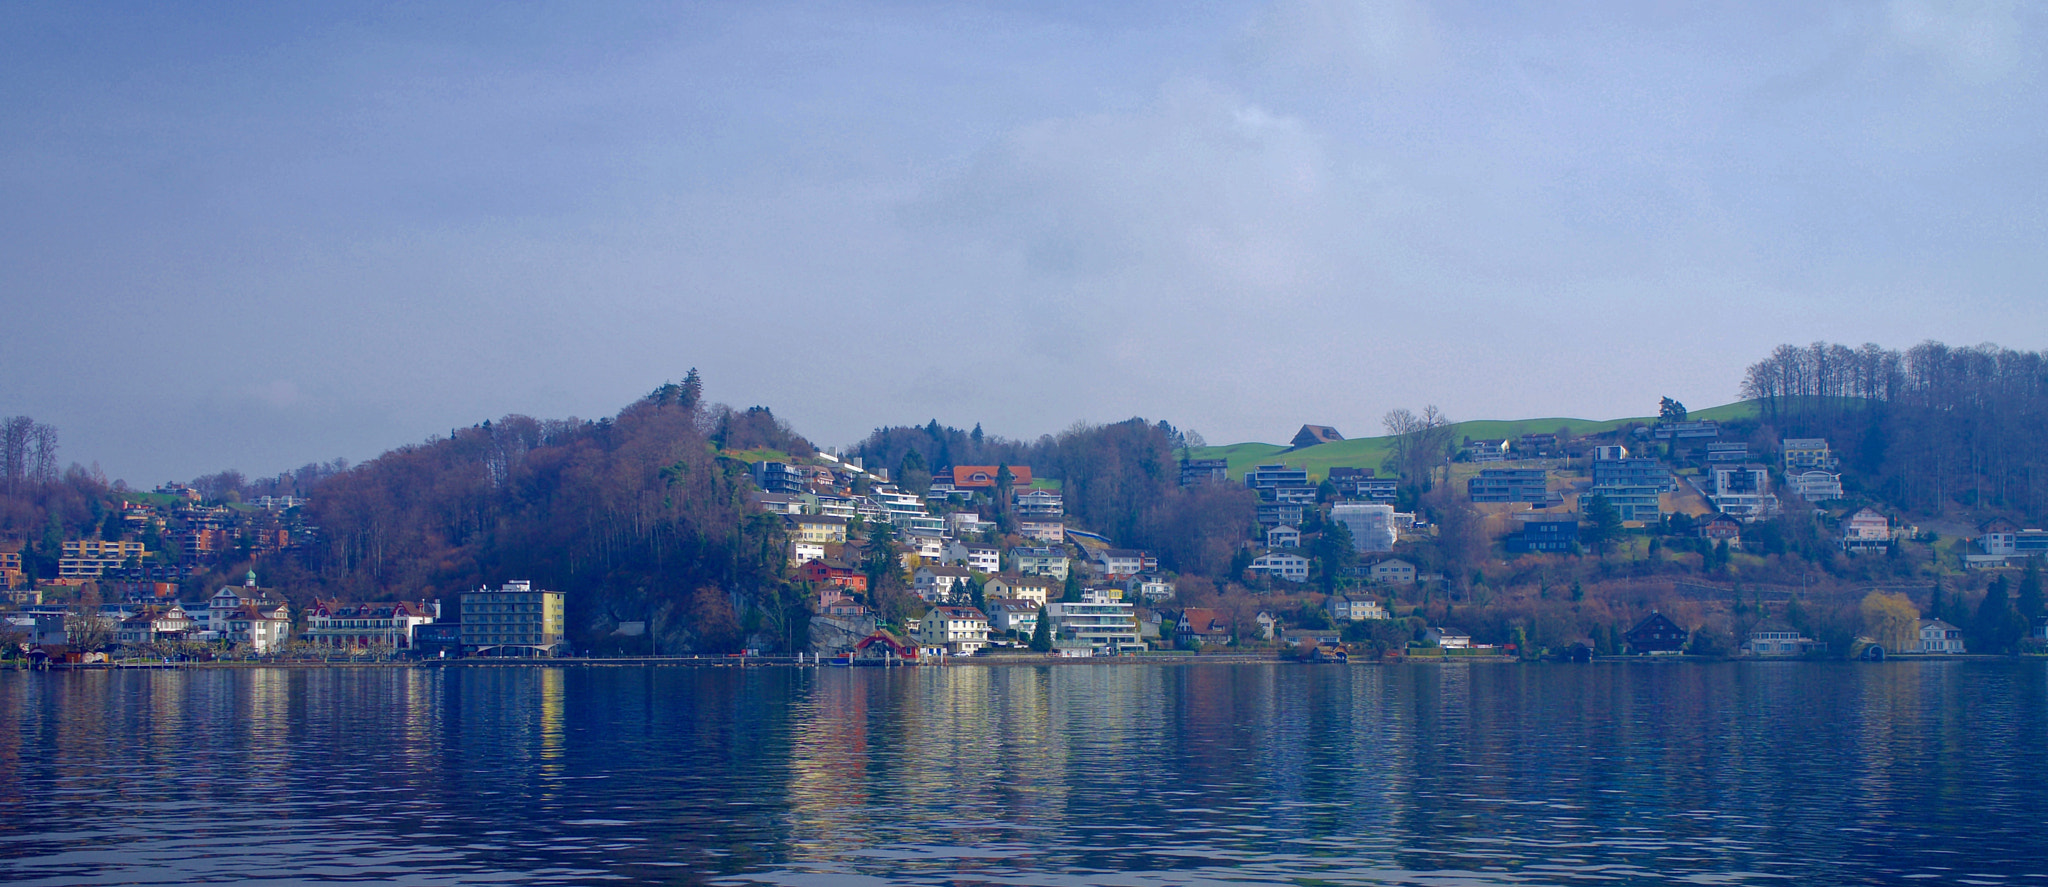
(249, 237)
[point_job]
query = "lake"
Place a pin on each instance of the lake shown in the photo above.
(1460, 774)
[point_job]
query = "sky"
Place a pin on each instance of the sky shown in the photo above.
(253, 237)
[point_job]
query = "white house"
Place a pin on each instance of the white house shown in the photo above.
(937, 583)
(1042, 528)
(1937, 636)
(1012, 614)
(1449, 639)
(1106, 624)
(1866, 530)
(1283, 536)
(1036, 589)
(1815, 485)
(258, 629)
(800, 551)
(360, 625)
(1042, 561)
(1291, 567)
(1119, 562)
(979, 558)
(1394, 571)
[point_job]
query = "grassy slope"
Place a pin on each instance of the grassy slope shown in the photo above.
(1369, 452)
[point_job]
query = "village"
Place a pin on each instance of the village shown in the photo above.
(1337, 565)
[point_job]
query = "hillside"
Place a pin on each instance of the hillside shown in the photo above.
(1369, 452)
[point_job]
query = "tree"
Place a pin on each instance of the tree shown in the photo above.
(913, 475)
(1669, 410)
(1072, 593)
(1605, 522)
(2029, 603)
(1041, 634)
(1997, 627)
(86, 627)
(1334, 554)
(1891, 620)
(1419, 443)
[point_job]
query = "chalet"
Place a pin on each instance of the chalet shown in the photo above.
(232, 599)
(1722, 528)
(983, 477)
(940, 583)
(1202, 625)
(826, 571)
(361, 625)
(883, 646)
(156, 624)
(1310, 435)
(1657, 634)
(1937, 636)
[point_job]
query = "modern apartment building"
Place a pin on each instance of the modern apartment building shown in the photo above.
(513, 618)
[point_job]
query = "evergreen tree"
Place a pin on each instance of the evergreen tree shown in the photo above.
(1937, 605)
(1997, 627)
(1578, 591)
(1041, 635)
(1072, 594)
(1606, 523)
(2029, 602)
(1334, 554)
(693, 390)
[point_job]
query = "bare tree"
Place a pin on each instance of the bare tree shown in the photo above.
(1419, 442)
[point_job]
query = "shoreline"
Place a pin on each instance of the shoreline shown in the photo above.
(981, 662)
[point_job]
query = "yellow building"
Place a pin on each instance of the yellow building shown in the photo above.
(515, 615)
(818, 528)
(90, 558)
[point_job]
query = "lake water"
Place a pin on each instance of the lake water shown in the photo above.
(1610, 773)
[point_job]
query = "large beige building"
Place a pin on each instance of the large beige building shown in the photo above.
(512, 619)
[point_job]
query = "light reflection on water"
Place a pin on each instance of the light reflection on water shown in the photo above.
(1251, 774)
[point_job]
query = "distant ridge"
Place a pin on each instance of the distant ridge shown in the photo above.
(1369, 452)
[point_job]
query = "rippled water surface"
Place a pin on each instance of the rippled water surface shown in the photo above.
(1143, 774)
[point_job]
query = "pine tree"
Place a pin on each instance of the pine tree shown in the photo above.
(2029, 602)
(693, 390)
(1041, 635)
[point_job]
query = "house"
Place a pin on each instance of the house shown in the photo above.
(1686, 430)
(1266, 477)
(1202, 625)
(960, 631)
(1727, 452)
(1937, 636)
(1509, 485)
(883, 646)
(1204, 471)
(836, 601)
(1657, 634)
(1806, 453)
(1350, 609)
(1310, 435)
(925, 545)
(979, 558)
(777, 503)
(938, 583)
(1625, 472)
(1815, 485)
(84, 559)
(1743, 492)
(967, 523)
(1283, 536)
(1152, 590)
(1609, 453)
(1358, 483)
(1007, 616)
(259, 630)
(842, 507)
(1119, 563)
(1775, 637)
(1866, 530)
(1543, 531)
(826, 571)
(800, 551)
(1393, 571)
(983, 477)
(1722, 528)
(1296, 495)
(1637, 504)
(1040, 503)
(1371, 525)
(1998, 536)
(1041, 528)
(1485, 450)
(232, 599)
(1291, 567)
(1448, 638)
(1272, 514)
(1036, 589)
(361, 625)
(155, 624)
(1041, 561)
(818, 528)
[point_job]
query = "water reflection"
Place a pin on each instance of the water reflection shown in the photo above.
(1462, 773)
